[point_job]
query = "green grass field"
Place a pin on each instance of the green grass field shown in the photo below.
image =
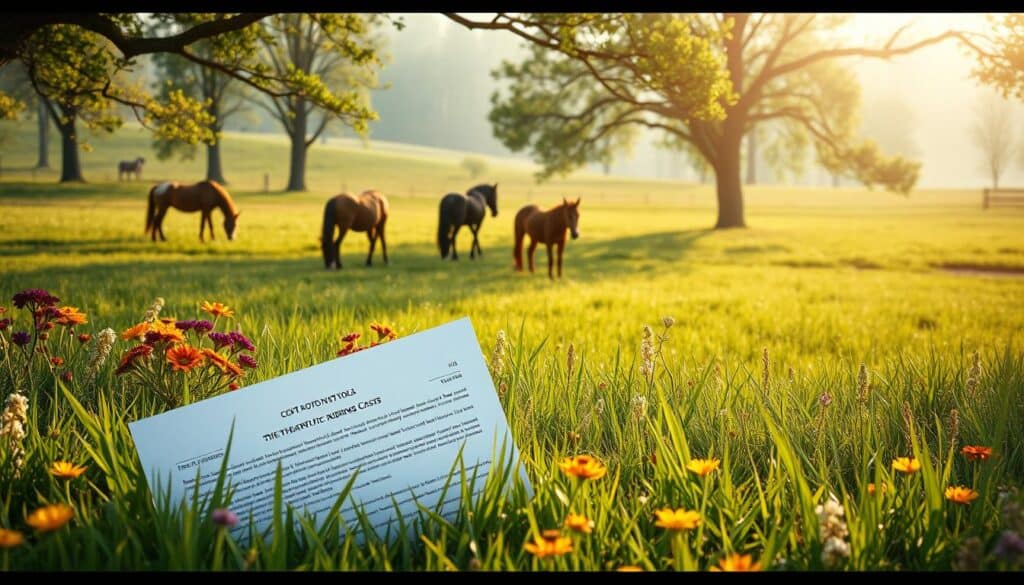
(824, 279)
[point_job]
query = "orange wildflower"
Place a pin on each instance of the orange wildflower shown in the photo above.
(50, 518)
(906, 465)
(70, 316)
(66, 470)
(960, 494)
(383, 331)
(184, 357)
(736, 563)
(135, 331)
(583, 467)
(976, 452)
(222, 363)
(160, 331)
(57, 360)
(549, 544)
(678, 519)
(702, 467)
(131, 355)
(10, 538)
(579, 523)
(217, 309)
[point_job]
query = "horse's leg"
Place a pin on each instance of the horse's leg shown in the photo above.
(455, 232)
(551, 259)
(337, 246)
(529, 252)
(209, 222)
(158, 223)
(476, 242)
(202, 226)
(371, 234)
(561, 247)
(383, 244)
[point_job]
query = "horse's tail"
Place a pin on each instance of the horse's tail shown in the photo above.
(327, 235)
(517, 252)
(443, 229)
(149, 210)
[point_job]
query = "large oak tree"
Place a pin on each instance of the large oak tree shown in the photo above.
(705, 80)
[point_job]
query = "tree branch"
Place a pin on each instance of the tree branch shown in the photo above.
(135, 46)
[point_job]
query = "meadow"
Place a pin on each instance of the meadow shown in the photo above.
(761, 367)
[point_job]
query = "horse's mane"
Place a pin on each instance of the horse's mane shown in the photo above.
(482, 188)
(224, 195)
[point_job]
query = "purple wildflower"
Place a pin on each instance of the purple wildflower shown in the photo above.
(221, 339)
(202, 326)
(4, 323)
(224, 517)
(1010, 546)
(242, 341)
(21, 338)
(185, 325)
(247, 361)
(34, 296)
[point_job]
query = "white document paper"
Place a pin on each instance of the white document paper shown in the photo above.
(398, 413)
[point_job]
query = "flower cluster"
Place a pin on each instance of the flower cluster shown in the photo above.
(648, 352)
(833, 533)
(12, 426)
(213, 361)
(553, 543)
(384, 334)
(45, 341)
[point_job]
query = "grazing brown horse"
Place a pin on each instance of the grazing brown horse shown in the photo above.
(202, 196)
(548, 227)
(366, 213)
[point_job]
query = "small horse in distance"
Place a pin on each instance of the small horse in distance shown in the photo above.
(125, 168)
(457, 210)
(202, 196)
(546, 227)
(366, 213)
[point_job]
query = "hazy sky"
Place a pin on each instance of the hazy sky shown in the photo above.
(934, 82)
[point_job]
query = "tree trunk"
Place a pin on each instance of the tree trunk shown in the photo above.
(297, 170)
(727, 176)
(751, 157)
(730, 191)
(70, 166)
(43, 122)
(214, 169)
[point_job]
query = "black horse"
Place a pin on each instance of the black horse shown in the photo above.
(458, 210)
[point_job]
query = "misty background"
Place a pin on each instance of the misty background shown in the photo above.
(438, 86)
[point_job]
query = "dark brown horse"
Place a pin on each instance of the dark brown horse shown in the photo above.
(203, 196)
(366, 213)
(546, 227)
